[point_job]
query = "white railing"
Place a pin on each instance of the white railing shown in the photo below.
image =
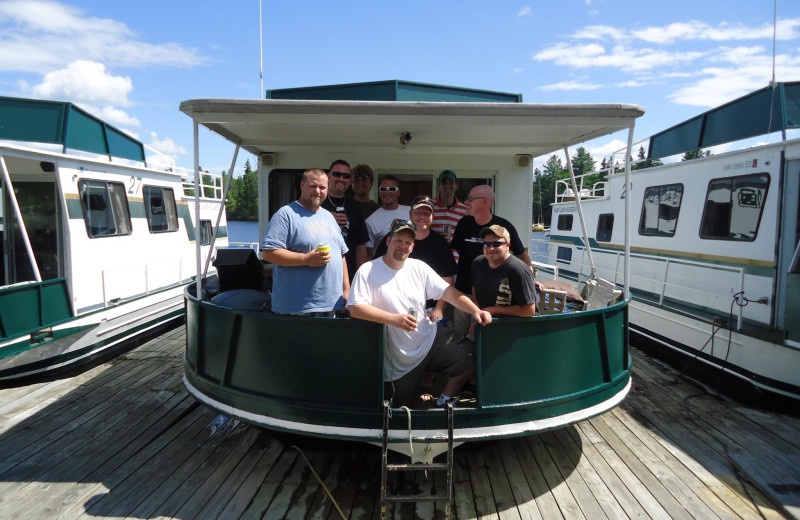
(661, 282)
(212, 190)
(564, 192)
(553, 269)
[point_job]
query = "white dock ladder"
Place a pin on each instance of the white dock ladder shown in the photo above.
(441, 466)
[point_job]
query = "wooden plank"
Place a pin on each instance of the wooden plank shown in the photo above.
(584, 449)
(627, 476)
(252, 482)
(595, 486)
(321, 507)
(704, 485)
(555, 480)
(784, 493)
(656, 466)
(196, 491)
(463, 499)
(545, 501)
(523, 495)
(304, 498)
(481, 487)
(697, 444)
(498, 480)
(573, 478)
(269, 487)
(720, 440)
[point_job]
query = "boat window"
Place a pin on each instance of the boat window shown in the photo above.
(565, 222)
(159, 206)
(105, 208)
(733, 207)
(564, 254)
(660, 209)
(205, 232)
(605, 225)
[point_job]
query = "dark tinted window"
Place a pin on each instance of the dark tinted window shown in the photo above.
(733, 207)
(565, 222)
(660, 209)
(159, 207)
(605, 225)
(105, 208)
(564, 254)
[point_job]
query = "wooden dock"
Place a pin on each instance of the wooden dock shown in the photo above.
(125, 440)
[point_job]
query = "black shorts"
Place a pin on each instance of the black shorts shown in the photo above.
(449, 354)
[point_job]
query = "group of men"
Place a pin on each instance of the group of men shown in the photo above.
(400, 265)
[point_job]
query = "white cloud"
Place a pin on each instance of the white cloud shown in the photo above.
(786, 29)
(525, 11)
(167, 146)
(41, 35)
(605, 150)
(85, 82)
(516, 71)
(570, 85)
(620, 56)
(118, 117)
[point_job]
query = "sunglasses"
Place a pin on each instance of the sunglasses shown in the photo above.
(389, 188)
(398, 223)
(341, 175)
(360, 176)
(496, 243)
(471, 198)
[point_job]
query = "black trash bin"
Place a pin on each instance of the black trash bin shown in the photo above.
(238, 269)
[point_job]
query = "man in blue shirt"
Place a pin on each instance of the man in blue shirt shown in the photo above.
(307, 279)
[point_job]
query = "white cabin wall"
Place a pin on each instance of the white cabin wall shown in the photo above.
(513, 185)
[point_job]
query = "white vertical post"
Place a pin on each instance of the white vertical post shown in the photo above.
(261, 94)
(197, 232)
(18, 214)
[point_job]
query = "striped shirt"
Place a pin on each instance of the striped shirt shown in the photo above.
(445, 219)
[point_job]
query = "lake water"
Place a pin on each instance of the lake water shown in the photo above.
(243, 232)
(246, 232)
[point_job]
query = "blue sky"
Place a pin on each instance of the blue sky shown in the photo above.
(132, 63)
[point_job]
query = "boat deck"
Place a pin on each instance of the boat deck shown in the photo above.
(125, 440)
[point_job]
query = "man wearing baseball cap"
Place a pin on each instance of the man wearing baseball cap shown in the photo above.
(501, 283)
(447, 209)
(392, 290)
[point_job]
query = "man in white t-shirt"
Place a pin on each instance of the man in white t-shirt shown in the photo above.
(392, 290)
(380, 221)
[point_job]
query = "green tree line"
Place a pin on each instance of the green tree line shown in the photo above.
(242, 200)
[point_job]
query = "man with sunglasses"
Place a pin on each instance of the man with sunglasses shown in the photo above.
(363, 178)
(354, 230)
(378, 223)
(501, 283)
(392, 290)
(469, 244)
(305, 245)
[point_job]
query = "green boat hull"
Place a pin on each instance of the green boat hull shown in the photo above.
(323, 376)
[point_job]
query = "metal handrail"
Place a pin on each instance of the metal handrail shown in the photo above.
(664, 280)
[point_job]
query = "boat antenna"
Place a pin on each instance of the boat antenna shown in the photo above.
(774, 38)
(261, 94)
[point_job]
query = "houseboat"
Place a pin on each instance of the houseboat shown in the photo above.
(323, 376)
(715, 243)
(96, 246)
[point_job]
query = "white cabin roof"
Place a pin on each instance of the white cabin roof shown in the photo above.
(273, 125)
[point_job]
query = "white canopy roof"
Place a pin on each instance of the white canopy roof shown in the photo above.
(272, 125)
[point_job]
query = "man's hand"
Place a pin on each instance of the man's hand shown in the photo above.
(482, 317)
(341, 218)
(406, 322)
(318, 258)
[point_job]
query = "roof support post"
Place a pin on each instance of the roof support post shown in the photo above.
(18, 215)
(580, 213)
(197, 231)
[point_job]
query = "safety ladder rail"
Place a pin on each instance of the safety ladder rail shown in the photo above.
(442, 466)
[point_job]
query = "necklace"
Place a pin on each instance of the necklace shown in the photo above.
(337, 208)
